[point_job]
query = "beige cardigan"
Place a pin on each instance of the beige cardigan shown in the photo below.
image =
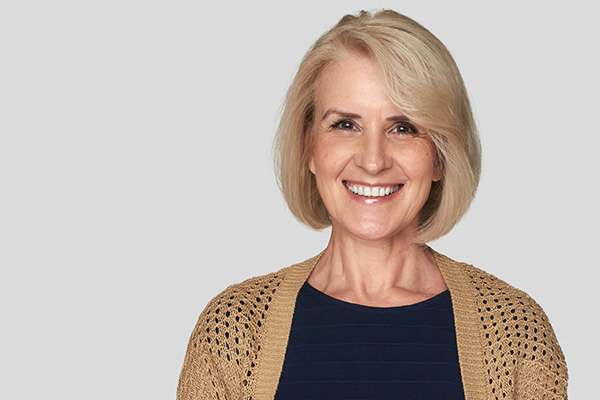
(506, 346)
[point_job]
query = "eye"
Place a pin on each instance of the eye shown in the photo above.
(405, 128)
(344, 124)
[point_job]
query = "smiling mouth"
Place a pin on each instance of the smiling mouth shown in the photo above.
(372, 191)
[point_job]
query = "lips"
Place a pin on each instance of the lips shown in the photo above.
(372, 191)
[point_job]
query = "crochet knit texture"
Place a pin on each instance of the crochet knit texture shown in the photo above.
(506, 346)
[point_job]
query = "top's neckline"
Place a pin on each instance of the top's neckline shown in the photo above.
(432, 300)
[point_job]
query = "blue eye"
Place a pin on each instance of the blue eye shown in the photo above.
(344, 124)
(406, 128)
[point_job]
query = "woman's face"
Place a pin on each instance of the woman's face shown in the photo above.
(373, 167)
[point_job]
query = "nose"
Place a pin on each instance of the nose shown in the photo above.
(372, 155)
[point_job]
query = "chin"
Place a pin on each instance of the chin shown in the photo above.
(377, 231)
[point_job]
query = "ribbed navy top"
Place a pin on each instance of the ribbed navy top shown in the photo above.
(340, 350)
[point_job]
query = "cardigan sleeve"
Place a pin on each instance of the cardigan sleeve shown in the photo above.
(205, 375)
(541, 370)
(537, 381)
(196, 380)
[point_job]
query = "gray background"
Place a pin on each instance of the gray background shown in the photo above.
(136, 179)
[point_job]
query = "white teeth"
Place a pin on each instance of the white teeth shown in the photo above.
(368, 191)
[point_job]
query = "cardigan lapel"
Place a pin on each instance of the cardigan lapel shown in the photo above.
(467, 326)
(277, 331)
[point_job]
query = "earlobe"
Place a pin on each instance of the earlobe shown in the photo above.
(311, 164)
(308, 149)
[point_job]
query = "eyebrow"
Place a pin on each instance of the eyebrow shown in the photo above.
(344, 114)
(340, 113)
(399, 118)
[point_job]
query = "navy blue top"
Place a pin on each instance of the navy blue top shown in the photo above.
(340, 350)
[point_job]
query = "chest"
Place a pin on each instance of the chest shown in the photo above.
(343, 350)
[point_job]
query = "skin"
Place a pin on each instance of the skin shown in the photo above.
(359, 136)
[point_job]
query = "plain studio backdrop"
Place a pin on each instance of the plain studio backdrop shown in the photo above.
(136, 179)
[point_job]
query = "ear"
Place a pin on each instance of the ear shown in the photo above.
(308, 149)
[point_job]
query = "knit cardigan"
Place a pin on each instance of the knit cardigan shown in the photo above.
(506, 346)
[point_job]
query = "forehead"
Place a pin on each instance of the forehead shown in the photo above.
(352, 83)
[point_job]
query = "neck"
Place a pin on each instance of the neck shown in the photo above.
(383, 273)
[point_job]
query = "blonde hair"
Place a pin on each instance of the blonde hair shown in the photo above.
(422, 80)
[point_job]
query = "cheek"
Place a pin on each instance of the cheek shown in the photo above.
(326, 160)
(419, 163)
(437, 169)
(423, 158)
(322, 165)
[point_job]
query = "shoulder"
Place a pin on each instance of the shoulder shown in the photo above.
(491, 293)
(252, 297)
(245, 303)
(238, 313)
(507, 306)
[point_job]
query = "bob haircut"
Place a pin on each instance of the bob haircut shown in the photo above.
(423, 82)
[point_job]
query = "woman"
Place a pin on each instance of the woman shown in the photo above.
(377, 140)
